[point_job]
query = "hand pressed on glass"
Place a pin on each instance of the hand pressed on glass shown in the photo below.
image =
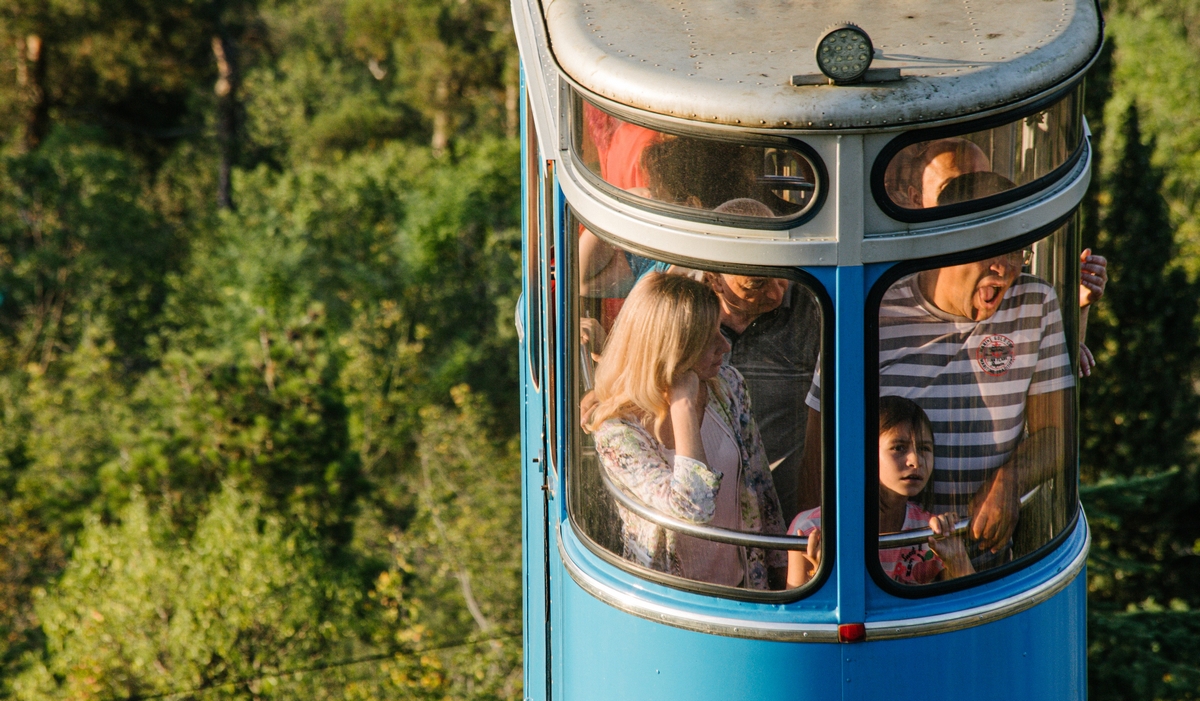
(1093, 278)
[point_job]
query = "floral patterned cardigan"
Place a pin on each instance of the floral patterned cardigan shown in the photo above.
(687, 489)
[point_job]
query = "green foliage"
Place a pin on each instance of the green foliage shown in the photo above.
(264, 412)
(457, 60)
(139, 613)
(1144, 540)
(1157, 52)
(26, 550)
(70, 422)
(77, 241)
(215, 423)
(457, 568)
(1142, 598)
(1140, 409)
(1144, 655)
(1150, 313)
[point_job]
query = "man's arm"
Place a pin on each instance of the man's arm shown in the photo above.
(995, 508)
(808, 494)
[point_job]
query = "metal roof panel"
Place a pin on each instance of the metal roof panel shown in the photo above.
(731, 61)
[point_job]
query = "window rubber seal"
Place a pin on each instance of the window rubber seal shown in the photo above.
(690, 213)
(898, 144)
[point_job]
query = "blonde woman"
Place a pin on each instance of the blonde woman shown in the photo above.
(672, 425)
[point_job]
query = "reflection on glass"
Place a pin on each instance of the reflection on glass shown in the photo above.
(948, 171)
(686, 171)
(671, 360)
(977, 360)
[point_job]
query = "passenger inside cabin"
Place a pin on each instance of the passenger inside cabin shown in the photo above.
(981, 348)
(617, 147)
(701, 173)
(1093, 269)
(672, 426)
(773, 326)
(774, 329)
(905, 497)
(917, 175)
(680, 170)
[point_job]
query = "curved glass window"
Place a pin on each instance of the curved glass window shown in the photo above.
(978, 368)
(926, 179)
(694, 451)
(745, 182)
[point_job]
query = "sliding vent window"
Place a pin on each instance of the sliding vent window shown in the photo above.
(953, 170)
(750, 183)
(977, 393)
(677, 477)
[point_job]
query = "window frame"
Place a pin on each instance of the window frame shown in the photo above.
(533, 251)
(871, 404)
(551, 264)
(575, 100)
(898, 144)
(570, 385)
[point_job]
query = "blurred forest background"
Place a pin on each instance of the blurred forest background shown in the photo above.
(258, 261)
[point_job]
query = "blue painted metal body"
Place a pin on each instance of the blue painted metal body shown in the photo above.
(578, 647)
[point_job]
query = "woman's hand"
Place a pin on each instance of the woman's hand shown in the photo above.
(949, 547)
(803, 565)
(686, 387)
(688, 396)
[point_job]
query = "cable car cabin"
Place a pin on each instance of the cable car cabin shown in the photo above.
(801, 329)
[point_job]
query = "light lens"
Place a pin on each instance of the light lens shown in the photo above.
(844, 54)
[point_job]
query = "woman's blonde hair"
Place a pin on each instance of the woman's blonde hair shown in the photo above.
(663, 328)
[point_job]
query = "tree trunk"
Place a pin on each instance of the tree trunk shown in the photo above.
(226, 90)
(32, 76)
(512, 94)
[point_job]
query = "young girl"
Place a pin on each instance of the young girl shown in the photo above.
(905, 465)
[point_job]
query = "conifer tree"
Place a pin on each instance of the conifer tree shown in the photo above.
(1141, 413)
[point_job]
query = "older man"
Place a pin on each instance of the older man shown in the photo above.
(774, 328)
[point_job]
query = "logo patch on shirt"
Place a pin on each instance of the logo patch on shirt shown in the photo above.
(996, 354)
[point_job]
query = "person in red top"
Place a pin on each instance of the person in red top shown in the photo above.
(905, 465)
(619, 145)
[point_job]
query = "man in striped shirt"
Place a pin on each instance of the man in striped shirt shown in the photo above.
(981, 348)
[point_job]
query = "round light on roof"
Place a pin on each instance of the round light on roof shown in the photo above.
(844, 53)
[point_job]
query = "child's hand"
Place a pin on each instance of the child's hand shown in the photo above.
(949, 547)
(803, 565)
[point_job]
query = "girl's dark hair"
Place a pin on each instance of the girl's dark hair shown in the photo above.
(898, 411)
(894, 411)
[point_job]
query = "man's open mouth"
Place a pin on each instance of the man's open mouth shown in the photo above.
(990, 294)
